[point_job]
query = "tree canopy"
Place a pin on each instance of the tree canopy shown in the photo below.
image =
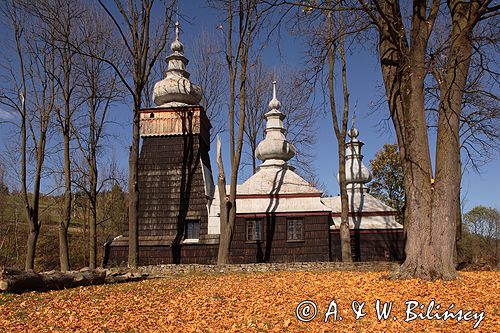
(388, 179)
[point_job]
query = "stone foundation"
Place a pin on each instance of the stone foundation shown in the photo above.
(171, 269)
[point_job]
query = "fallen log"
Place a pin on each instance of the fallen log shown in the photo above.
(13, 280)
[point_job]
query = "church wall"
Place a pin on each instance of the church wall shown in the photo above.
(318, 245)
(274, 246)
(370, 245)
(171, 185)
(156, 255)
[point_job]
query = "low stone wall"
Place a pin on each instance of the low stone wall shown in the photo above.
(170, 269)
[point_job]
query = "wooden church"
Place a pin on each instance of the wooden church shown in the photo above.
(280, 216)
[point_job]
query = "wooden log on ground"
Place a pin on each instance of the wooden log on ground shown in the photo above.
(13, 280)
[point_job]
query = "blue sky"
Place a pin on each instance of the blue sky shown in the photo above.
(365, 90)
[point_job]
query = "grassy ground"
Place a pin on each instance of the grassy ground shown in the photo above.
(259, 302)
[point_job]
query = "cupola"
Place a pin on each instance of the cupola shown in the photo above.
(274, 150)
(357, 174)
(176, 89)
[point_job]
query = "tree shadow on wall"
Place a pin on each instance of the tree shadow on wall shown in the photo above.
(190, 161)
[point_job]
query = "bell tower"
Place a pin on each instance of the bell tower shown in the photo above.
(174, 179)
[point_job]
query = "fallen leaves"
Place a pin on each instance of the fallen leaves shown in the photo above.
(258, 302)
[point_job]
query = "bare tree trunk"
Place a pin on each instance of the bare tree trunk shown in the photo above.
(31, 244)
(246, 22)
(31, 210)
(447, 180)
(63, 248)
(404, 80)
(64, 224)
(93, 187)
(225, 234)
(85, 236)
(340, 131)
(93, 240)
(144, 50)
(225, 219)
(133, 193)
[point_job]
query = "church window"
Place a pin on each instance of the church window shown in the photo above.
(295, 230)
(192, 229)
(253, 231)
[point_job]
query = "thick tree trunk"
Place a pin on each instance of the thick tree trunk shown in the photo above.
(404, 71)
(463, 17)
(432, 202)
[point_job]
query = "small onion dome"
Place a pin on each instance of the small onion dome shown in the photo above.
(176, 89)
(274, 104)
(274, 149)
(356, 172)
(353, 133)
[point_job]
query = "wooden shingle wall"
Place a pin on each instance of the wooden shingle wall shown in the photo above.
(171, 185)
(274, 246)
(370, 245)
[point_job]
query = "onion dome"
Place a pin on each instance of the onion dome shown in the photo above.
(356, 172)
(176, 89)
(274, 149)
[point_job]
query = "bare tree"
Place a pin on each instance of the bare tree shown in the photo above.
(33, 96)
(143, 45)
(258, 92)
(340, 130)
(300, 120)
(432, 201)
(247, 16)
(58, 21)
(98, 88)
(323, 24)
(209, 73)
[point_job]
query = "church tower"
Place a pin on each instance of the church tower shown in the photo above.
(174, 178)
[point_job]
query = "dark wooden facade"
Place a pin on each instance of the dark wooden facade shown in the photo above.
(370, 245)
(173, 172)
(160, 254)
(173, 185)
(319, 244)
(274, 245)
